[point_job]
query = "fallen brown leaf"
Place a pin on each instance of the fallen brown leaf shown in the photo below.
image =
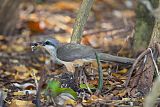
(21, 103)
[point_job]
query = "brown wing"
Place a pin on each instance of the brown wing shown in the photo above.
(70, 52)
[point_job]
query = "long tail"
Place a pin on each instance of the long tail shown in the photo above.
(117, 59)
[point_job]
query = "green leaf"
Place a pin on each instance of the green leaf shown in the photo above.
(70, 91)
(84, 86)
(54, 86)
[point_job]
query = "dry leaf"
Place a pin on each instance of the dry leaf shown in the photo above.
(92, 99)
(18, 48)
(22, 72)
(119, 76)
(21, 75)
(20, 68)
(70, 102)
(93, 82)
(64, 5)
(2, 37)
(36, 26)
(3, 47)
(123, 71)
(92, 40)
(128, 13)
(122, 93)
(34, 70)
(63, 39)
(20, 103)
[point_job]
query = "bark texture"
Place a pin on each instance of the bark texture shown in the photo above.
(144, 26)
(8, 16)
(142, 81)
(81, 20)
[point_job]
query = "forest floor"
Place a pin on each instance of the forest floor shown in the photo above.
(110, 28)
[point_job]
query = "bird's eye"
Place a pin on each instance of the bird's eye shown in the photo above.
(47, 42)
(35, 44)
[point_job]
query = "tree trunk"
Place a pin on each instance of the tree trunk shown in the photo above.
(156, 33)
(144, 26)
(145, 70)
(81, 20)
(8, 16)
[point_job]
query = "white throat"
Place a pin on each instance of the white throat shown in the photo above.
(51, 50)
(53, 53)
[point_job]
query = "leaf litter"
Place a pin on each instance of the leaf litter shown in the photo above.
(18, 61)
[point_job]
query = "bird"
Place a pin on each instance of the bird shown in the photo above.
(72, 54)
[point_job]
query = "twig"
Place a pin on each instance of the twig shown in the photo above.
(35, 79)
(154, 62)
(42, 79)
(91, 32)
(100, 74)
(85, 81)
(81, 20)
(134, 65)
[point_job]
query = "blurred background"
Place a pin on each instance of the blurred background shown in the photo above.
(109, 26)
(117, 27)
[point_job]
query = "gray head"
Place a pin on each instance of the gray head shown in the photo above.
(51, 42)
(51, 46)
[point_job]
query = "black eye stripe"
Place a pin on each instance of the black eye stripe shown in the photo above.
(34, 44)
(47, 42)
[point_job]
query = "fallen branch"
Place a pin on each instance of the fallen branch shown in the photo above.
(134, 65)
(92, 32)
(138, 60)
